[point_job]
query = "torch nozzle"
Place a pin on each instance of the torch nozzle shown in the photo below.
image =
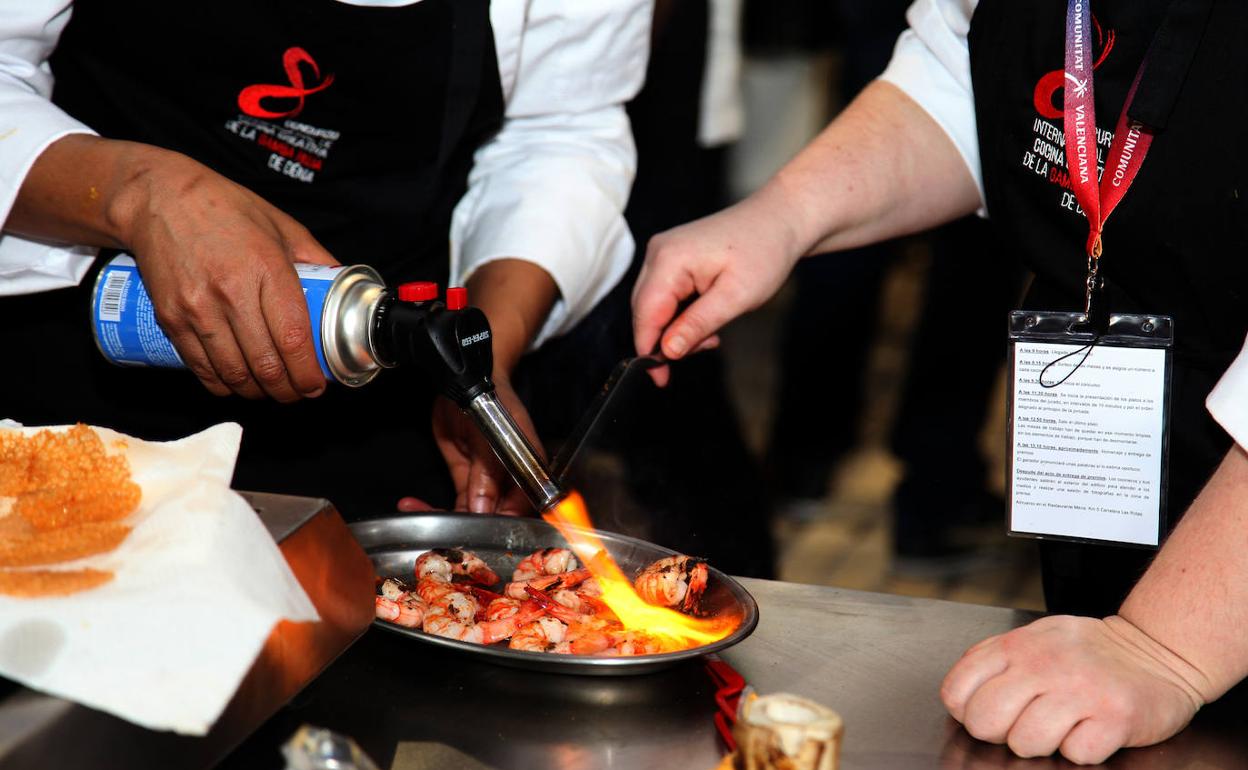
(514, 449)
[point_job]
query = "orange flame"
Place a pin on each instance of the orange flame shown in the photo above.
(671, 629)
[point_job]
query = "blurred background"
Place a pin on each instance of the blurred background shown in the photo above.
(851, 431)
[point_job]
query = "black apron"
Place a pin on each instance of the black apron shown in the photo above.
(358, 122)
(1175, 245)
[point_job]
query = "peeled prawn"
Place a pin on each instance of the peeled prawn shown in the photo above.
(393, 588)
(675, 581)
(445, 563)
(431, 589)
(581, 602)
(443, 621)
(587, 634)
(544, 561)
(542, 635)
(518, 589)
(502, 607)
(405, 610)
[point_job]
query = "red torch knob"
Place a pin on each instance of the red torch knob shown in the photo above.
(418, 291)
(456, 298)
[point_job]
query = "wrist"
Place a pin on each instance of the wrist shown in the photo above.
(777, 204)
(141, 174)
(1165, 661)
(510, 342)
(516, 297)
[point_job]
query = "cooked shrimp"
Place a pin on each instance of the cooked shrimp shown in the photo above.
(445, 563)
(587, 634)
(581, 602)
(544, 561)
(441, 621)
(431, 589)
(456, 604)
(518, 589)
(502, 607)
(676, 581)
(542, 635)
(393, 588)
(407, 610)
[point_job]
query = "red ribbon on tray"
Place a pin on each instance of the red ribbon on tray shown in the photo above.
(730, 689)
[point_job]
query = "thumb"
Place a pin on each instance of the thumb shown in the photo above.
(303, 248)
(696, 326)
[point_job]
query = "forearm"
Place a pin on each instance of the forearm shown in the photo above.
(1194, 597)
(516, 296)
(83, 189)
(883, 168)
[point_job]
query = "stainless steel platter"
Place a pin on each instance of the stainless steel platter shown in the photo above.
(394, 543)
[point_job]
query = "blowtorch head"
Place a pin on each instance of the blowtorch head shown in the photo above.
(453, 346)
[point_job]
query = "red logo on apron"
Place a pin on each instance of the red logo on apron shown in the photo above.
(250, 98)
(1055, 81)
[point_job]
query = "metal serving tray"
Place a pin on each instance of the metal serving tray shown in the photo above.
(394, 543)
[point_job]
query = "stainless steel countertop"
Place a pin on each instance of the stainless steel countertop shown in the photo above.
(877, 659)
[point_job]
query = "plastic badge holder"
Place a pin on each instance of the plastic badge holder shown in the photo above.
(1072, 329)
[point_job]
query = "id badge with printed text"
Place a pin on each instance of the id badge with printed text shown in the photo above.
(1089, 418)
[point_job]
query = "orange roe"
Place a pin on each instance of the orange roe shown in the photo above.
(68, 497)
(43, 582)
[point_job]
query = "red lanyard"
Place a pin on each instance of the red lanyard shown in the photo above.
(1126, 154)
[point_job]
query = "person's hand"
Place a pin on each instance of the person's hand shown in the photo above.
(735, 260)
(217, 261)
(482, 484)
(1083, 686)
(413, 505)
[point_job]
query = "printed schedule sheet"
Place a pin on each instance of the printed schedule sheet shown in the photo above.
(1087, 454)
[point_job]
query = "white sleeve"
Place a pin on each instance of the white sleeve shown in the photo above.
(1228, 402)
(551, 187)
(29, 122)
(932, 64)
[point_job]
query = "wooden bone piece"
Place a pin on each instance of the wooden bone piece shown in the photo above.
(787, 732)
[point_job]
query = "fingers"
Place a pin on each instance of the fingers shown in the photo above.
(694, 327)
(995, 706)
(710, 343)
(197, 361)
(514, 503)
(216, 336)
(412, 505)
(452, 442)
(661, 375)
(483, 486)
(978, 665)
(301, 247)
(1092, 741)
(265, 347)
(1044, 724)
(654, 304)
(290, 349)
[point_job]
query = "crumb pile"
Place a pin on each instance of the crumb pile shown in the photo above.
(62, 497)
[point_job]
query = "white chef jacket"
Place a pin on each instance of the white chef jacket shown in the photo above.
(549, 188)
(932, 65)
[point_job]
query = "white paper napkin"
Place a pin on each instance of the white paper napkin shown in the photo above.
(198, 586)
